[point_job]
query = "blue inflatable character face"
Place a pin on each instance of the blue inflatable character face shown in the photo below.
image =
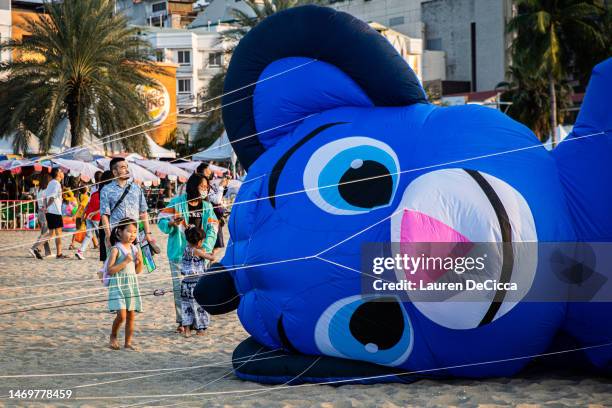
(343, 149)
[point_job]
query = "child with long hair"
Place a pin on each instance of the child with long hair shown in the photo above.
(125, 262)
(192, 268)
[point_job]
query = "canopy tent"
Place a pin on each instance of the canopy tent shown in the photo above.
(60, 143)
(164, 169)
(86, 171)
(191, 166)
(16, 166)
(138, 173)
(158, 152)
(221, 149)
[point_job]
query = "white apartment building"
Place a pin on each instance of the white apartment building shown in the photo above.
(199, 54)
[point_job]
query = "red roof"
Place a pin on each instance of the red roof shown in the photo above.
(477, 96)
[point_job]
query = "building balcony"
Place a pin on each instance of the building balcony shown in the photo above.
(186, 99)
(186, 68)
(209, 71)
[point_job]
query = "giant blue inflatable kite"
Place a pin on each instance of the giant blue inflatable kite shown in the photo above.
(342, 149)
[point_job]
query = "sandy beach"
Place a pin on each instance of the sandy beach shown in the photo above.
(72, 342)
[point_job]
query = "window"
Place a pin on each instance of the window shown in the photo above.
(434, 44)
(184, 57)
(156, 21)
(159, 7)
(395, 21)
(184, 85)
(215, 59)
(159, 55)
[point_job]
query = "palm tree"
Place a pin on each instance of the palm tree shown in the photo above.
(548, 33)
(258, 10)
(530, 98)
(81, 61)
(211, 127)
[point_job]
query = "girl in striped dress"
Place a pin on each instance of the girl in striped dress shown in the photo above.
(125, 262)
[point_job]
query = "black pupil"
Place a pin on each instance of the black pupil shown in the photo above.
(380, 323)
(375, 191)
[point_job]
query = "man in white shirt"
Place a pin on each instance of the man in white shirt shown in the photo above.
(53, 195)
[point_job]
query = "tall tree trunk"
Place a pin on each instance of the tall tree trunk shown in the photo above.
(75, 110)
(73, 118)
(553, 108)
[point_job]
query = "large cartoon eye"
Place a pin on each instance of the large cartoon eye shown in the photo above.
(468, 206)
(376, 330)
(352, 176)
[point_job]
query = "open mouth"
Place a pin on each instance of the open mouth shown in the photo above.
(446, 213)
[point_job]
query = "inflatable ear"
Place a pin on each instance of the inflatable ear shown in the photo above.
(306, 60)
(585, 169)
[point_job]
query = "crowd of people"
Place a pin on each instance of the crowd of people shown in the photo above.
(114, 218)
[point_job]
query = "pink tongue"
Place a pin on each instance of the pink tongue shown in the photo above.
(419, 227)
(417, 231)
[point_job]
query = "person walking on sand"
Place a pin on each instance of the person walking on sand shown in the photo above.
(53, 214)
(41, 204)
(124, 263)
(119, 199)
(192, 268)
(92, 214)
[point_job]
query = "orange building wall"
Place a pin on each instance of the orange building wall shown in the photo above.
(18, 17)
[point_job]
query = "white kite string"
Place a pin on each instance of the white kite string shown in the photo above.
(349, 380)
(102, 373)
(206, 384)
(212, 272)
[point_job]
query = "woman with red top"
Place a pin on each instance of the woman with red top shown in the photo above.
(92, 215)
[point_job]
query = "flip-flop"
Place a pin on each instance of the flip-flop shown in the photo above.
(131, 347)
(114, 346)
(62, 256)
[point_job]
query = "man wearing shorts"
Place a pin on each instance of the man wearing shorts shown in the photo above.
(53, 195)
